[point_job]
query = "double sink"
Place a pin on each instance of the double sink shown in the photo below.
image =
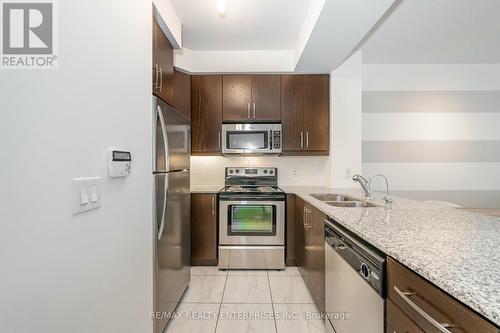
(340, 200)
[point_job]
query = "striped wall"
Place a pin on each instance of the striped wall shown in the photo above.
(434, 130)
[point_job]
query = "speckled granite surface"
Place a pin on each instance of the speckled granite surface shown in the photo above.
(456, 250)
(205, 188)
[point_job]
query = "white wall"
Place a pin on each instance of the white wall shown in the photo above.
(296, 171)
(434, 127)
(169, 21)
(91, 272)
(345, 120)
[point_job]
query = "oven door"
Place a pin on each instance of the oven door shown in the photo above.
(251, 222)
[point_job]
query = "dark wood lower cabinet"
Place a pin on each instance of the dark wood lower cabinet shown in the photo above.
(310, 249)
(290, 258)
(398, 322)
(203, 229)
(415, 296)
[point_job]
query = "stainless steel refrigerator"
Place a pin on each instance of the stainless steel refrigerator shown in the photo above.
(171, 147)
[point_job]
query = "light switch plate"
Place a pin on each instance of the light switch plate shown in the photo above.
(86, 194)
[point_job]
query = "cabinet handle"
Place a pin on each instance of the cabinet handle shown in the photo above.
(307, 139)
(220, 138)
(213, 205)
(248, 110)
(441, 327)
(156, 76)
(301, 139)
(161, 78)
(253, 110)
(304, 218)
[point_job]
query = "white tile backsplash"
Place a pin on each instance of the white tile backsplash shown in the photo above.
(298, 171)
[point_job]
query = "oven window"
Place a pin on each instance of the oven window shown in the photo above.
(252, 220)
(247, 140)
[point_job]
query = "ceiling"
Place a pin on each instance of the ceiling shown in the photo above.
(248, 24)
(437, 31)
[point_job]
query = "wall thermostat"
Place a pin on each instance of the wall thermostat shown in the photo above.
(119, 163)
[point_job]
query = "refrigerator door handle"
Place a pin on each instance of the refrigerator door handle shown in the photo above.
(165, 193)
(165, 136)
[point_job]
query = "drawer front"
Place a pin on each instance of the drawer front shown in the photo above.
(398, 322)
(430, 308)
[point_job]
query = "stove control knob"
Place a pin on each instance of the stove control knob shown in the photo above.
(231, 171)
(271, 172)
(237, 170)
(265, 170)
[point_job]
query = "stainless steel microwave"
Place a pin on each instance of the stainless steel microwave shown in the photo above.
(251, 139)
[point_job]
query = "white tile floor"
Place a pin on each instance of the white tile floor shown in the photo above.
(246, 301)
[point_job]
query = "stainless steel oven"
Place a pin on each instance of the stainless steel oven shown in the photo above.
(251, 138)
(251, 220)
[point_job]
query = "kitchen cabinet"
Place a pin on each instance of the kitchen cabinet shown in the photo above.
(398, 322)
(425, 307)
(163, 65)
(290, 230)
(206, 114)
(182, 93)
(248, 98)
(203, 229)
(310, 249)
(305, 114)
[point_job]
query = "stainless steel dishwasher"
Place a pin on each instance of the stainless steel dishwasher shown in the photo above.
(355, 283)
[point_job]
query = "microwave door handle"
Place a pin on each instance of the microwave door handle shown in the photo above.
(165, 136)
(271, 140)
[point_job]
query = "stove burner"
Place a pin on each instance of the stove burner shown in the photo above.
(252, 189)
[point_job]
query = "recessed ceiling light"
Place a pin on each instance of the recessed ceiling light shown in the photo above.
(221, 7)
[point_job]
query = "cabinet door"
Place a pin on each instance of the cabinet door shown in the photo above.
(292, 104)
(182, 93)
(316, 113)
(156, 72)
(204, 229)
(237, 93)
(290, 258)
(300, 237)
(206, 114)
(265, 98)
(316, 257)
(165, 61)
(398, 322)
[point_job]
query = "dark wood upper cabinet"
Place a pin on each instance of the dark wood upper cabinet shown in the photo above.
(316, 112)
(204, 229)
(237, 97)
(206, 114)
(265, 97)
(182, 93)
(251, 98)
(163, 65)
(292, 106)
(305, 114)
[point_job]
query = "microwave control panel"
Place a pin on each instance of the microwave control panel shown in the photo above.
(276, 139)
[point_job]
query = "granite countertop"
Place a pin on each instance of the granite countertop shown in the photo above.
(205, 188)
(456, 250)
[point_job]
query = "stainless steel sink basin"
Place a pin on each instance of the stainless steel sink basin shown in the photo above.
(352, 204)
(331, 197)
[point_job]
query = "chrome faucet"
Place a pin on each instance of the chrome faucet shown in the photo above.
(364, 184)
(367, 187)
(388, 199)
